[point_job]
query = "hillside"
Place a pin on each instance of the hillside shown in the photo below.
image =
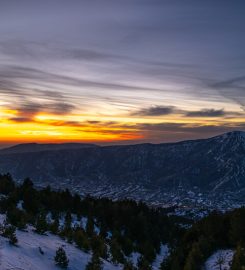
(211, 164)
(40, 221)
(26, 256)
(114, 234)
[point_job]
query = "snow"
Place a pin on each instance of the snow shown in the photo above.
(26, 255)
(134, 258)
(2, 219)
(164, 252)
(20, 205)
(226, 255)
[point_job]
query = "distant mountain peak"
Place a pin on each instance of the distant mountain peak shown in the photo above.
(236, 135)
(37, 147)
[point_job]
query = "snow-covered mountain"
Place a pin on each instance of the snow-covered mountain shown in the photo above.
(213, 164)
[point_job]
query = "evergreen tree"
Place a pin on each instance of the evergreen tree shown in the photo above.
(99, 247)
(54, 226)
(9, 232)
(95, 263)
(165, 265)
(41, 224)
(116, 253)
(237, 222)
(13, 239)
(16, 217)
(90, 226)
(68, 220)
(238, 262)
(60, 258)
(194, 259)
(127, 245)
(143, 264)
(81, 240)
(7, 184)
(147, 249)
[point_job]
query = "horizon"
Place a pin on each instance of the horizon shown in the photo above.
(120, 72)
(125, 143)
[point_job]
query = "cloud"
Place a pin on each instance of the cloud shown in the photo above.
(20, 119)
(170, 132)
(206, 113)
(27, 106)
(233, 89)
(167, 110)
(155, 111)
(20, 73)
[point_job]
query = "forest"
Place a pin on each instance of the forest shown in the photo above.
(116, 229)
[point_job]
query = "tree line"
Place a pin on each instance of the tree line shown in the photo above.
(115, 229)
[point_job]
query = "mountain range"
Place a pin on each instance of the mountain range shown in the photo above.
(214, 164)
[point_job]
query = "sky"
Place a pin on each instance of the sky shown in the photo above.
(127, 71)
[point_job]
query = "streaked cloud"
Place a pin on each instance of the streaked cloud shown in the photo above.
(207, 113)
(155, 111)
(114, 71)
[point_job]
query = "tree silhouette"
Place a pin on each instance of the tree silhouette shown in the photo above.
(60, 258)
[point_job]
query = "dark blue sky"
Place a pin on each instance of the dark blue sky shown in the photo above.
(166, 70)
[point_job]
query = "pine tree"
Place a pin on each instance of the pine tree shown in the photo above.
(7, 184)
(81, 240)
(8, 231)
(116, 253)
(41, 224)
(147, 249)
(12, 237)
(16, 217)
(95, 263)
(194, 258)
(99, 246)
(143, 264)
(54, 226)
(165, 265)
(127, 246)
(90, 226)
(238, 262)
(237, 232)
(68, 220)
(60, 258)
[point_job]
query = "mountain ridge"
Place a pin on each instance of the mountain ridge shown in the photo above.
(38, 147)
(213, 164)
(235, 133)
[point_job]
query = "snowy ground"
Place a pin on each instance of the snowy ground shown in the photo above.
(224, 256)
(26, 255)
(159, 258)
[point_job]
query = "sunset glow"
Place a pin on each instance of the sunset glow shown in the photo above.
(140, 81)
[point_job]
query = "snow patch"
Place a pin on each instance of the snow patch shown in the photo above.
(27, 255)
(221, 258)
